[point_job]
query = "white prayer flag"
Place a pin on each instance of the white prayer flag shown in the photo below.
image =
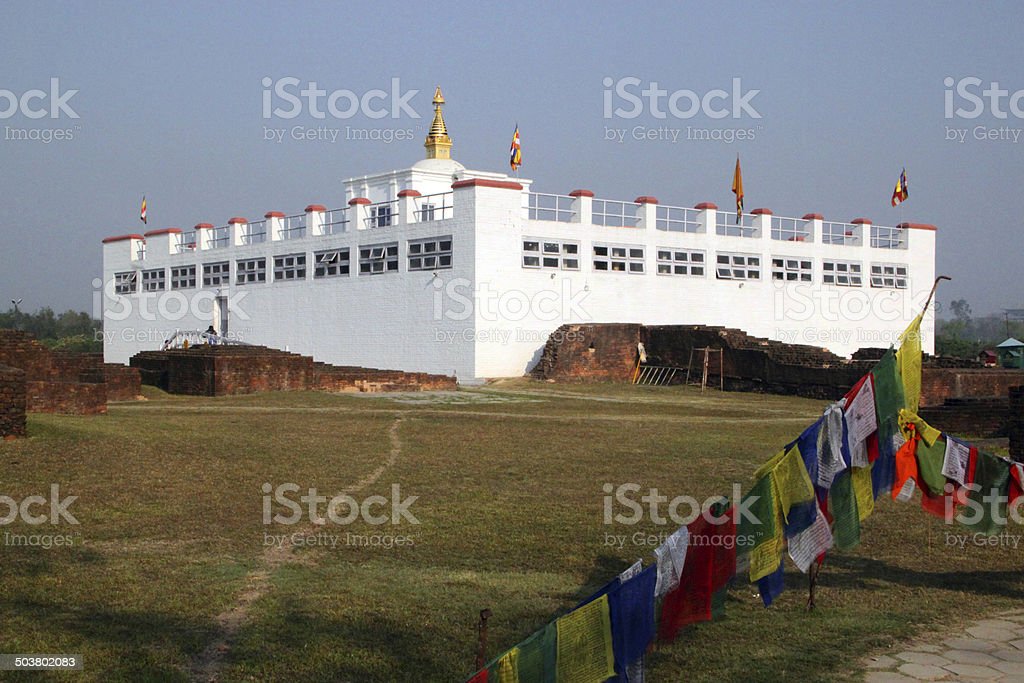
(671, 556)
(954, 465)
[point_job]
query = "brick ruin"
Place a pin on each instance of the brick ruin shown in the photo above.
(12, 402)
(65, 382)
(226, 370)
(608, 352)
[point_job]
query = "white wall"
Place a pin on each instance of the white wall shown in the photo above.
(412, 321)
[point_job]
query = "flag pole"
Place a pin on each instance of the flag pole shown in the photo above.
(932, 293)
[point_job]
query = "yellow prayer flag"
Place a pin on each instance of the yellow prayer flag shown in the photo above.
(792, 481)
(506, 669)
(585, 644)
(928, 433)
(908, 360)
(862, 489)
(765, 558)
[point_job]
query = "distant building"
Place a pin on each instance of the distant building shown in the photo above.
(988, 358)
(1011, 353)
(443, 269)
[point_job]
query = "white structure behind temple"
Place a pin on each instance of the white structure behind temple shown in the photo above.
(442, 269)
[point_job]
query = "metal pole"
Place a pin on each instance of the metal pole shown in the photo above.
(481, 634)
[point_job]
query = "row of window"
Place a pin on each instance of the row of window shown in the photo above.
(434, 253)
(625, 258)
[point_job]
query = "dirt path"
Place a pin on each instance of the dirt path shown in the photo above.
(207, 666)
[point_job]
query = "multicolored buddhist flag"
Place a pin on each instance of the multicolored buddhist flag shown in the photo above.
(515, 154)
(737, 188)
(142, 211)
(901, 193)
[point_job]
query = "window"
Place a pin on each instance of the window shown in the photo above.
(427, 211)
(126, 283)
(334, 263)
(680, 262)
(792, 269)
(183, 277)
(154, 280)
(738, 267)
(378, 258)
(622, 258)
(216, 274)
(290, 267)
(430, 254)
(380, 216)
(890, 275)
(841, 273)
(551, 254)
(251, 270)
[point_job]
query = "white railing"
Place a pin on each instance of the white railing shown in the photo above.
(434, 207)
(550, 207)
(293, 227)
(887, 238)
(336, 221)
(614, 214)
(221, 237)
(255, 233)
(185, 242)
(847, 234)
(790, 229)
(725, 224)
(381, 215)
(677, 219)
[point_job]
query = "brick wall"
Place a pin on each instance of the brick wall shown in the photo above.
(229, 370)
(1015, 423)
(590, 353)
(12, 402)
(970, 417)
(938, 384)
(64, 382)
(608, 352)
(69, 398)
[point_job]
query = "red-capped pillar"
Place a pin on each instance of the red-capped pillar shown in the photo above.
(315, 219)
(582, 206)
(358, 213)
(646, 212)
(707, 216)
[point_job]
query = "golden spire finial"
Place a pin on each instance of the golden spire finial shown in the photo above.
(438, 144)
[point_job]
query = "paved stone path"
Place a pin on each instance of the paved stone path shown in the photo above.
(989, 650)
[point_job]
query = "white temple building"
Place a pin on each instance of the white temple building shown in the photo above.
(438, 268)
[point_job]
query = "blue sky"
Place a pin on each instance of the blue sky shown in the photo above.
(169, 104)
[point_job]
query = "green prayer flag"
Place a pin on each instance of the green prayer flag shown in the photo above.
(929, 466)
(845, 518)
(537, 656)
(889, 397)
(991, 480)
(758, 523)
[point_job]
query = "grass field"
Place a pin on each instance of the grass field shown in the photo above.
(169, 575)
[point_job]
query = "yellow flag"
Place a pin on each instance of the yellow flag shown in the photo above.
(862, 490)
(585, 644)
(928, 433)
(792, 481)
(506, 669)
(908, 360)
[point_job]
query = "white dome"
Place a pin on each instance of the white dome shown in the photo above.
(446, 166)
